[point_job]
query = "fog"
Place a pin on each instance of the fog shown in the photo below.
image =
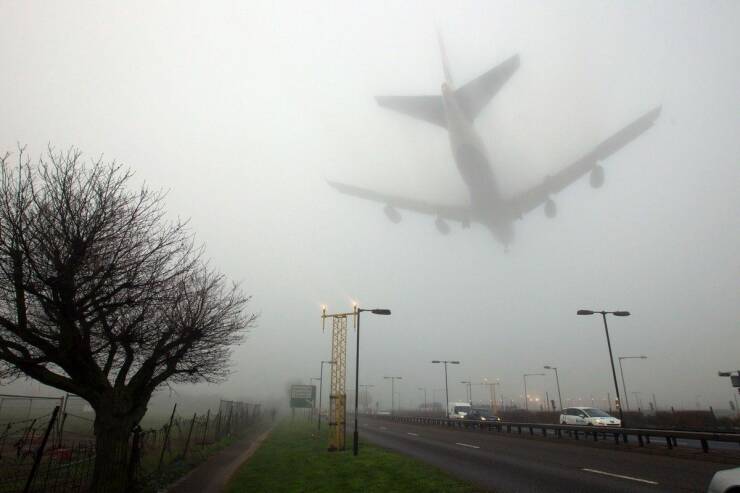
(243, 110)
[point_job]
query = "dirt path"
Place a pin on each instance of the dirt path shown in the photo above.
(214, 473)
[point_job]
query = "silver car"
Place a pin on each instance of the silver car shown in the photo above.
(587, 416)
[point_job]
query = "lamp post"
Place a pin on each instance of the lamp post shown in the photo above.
(425, 398)
(469, 390)
(367, 400)
(393, 391)
(358, 311)
(526, 398)
(557, 380)
(492, 390)
(321, 386)
(314, 403)
(624, 387)
(447, 395)
(609, 345)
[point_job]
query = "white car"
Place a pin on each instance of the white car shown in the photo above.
(587, 416)
(727, 481)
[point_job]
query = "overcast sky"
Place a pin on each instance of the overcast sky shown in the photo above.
(242, 110)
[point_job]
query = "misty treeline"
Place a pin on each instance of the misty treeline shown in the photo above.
(103, 296)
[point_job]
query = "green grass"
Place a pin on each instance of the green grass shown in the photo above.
(294, 458)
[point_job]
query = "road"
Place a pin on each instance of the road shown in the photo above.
(505, 463)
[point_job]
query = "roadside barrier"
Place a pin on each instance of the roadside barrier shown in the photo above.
(642, 435)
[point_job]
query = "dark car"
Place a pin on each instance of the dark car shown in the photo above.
(481, 415)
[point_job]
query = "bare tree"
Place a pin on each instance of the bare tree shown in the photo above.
(102, 297)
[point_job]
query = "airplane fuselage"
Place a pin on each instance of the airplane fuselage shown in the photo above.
(471, 158)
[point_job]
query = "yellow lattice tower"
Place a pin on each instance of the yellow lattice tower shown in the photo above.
(338, 395)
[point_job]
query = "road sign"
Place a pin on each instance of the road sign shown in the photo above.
(302, 396)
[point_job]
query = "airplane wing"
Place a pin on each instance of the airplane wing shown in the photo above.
(476, 94)
(427, 108)
(444, 211)
(539, 194)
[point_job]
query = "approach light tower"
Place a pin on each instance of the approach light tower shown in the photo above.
(337, 392)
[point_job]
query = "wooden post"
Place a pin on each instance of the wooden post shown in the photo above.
(166, 439)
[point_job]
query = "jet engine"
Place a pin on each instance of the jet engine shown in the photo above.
(392, 214)
(597, 177)
(551, 209)
(442, 226)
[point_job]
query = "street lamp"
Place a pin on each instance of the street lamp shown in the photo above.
(358, 311)
(469, 389)
(447, 396)
(314, 403)
(367, 398)
(560, 399)
(526, 398)
(425, 398)
(321, 386)
(393, 391)
(624, 387)
(492, 390)
(609, 345)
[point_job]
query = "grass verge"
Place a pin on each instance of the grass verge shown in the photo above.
(294, 458)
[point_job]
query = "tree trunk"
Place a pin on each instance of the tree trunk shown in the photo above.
(113, 428)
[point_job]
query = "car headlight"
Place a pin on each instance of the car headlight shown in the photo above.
(482, 418)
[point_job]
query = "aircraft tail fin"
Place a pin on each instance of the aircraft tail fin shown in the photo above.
(476, 94)
(445, 61)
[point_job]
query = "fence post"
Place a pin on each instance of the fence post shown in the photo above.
(205, 429)
(40, 450)
(166, 438)
(190, 432)
(218, 425)
(134, 459)
(228, 426)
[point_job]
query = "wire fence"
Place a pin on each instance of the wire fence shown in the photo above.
(55, 452)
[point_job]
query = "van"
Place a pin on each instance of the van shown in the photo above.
(458, 410)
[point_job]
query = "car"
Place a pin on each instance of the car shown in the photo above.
(481, 415)
(726, 481)
(588, 416)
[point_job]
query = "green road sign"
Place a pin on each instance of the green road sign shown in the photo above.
(302, 396)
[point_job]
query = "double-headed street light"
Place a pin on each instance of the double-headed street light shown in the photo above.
(393, 391)
(557, 380)
(526, 397)
(321, 386)
(492, 390)
(624, 387)
(447, 397)
(367, 395)
(611, 358)
(358, 311)
(469, 389)
(425, 398)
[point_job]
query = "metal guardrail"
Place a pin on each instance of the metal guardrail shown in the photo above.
(643, 435)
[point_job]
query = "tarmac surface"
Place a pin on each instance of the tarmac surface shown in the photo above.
(505, 463)
(213, 474)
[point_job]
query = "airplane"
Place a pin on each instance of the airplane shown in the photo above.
(456, 110)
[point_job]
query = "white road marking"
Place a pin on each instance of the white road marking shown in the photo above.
(631, 478)
(383, 428)
(412, 434)
(466, 445)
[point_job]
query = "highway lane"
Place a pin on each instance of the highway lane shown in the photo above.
(507, 463)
